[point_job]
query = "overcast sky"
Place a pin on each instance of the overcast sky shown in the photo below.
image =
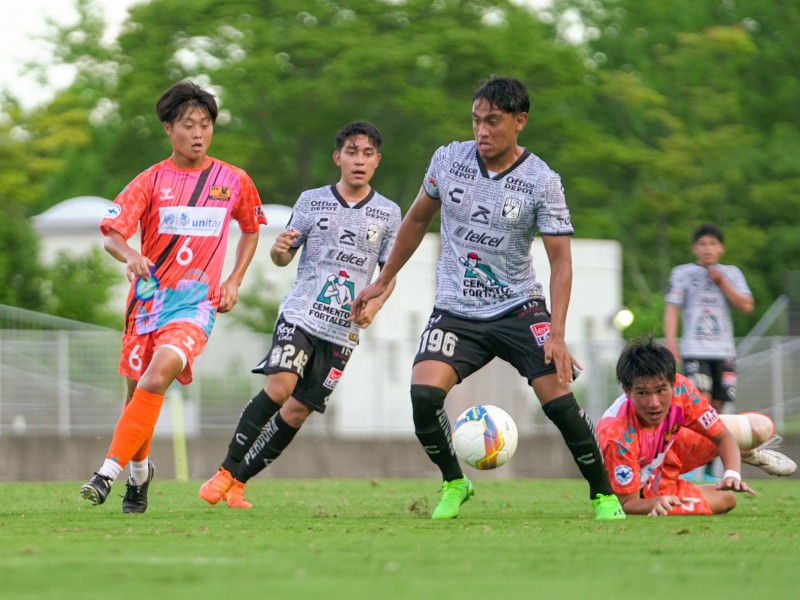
(18, 30)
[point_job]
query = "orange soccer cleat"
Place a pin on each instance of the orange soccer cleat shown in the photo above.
(214, 490)
(235, 496)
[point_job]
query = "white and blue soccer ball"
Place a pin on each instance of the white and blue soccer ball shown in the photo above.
(485, 437)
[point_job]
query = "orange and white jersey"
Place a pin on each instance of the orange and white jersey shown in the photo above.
(184, 216)
(634, 455)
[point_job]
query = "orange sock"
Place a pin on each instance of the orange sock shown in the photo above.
(135, 427)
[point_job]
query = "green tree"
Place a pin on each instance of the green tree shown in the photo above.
(80, 288)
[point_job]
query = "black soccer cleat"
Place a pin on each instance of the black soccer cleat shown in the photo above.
(96, 489)
(135, 499)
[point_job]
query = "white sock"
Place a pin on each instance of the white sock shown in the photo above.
(139, 471)
(110, 469)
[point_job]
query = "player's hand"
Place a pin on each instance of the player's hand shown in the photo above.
(715, 275)
(555, 351)
(374, 290)
(367, 313)
(735, 485)
(228, 296)
(138, 266)
(284, 241)
(663, 506)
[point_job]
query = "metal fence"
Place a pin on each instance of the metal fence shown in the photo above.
(65, 382)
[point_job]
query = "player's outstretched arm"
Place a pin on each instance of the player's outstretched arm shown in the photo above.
(412, 230)
(559, 254)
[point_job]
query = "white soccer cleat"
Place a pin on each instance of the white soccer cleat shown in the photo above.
(769, 460)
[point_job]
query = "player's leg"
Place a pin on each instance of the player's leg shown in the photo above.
(450, 350)
(175, 349)
(755, 434)
(518, 339)
(283, 366)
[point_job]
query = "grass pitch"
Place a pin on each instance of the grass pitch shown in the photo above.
(327, 539)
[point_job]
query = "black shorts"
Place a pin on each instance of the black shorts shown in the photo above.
(318, 363)
(467, 345)
(714, 377)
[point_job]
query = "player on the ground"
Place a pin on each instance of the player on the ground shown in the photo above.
(183, 206)
(345, 230)
(494, 196)
(662, 426)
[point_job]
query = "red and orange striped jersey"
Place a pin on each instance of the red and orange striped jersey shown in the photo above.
(184, 216)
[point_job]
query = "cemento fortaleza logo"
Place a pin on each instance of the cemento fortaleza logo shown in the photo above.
(204, 221)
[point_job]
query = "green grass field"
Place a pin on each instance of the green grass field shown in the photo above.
(362, 539)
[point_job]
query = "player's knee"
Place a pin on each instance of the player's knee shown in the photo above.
(295, 413)
(749, 429)
(280, 386)
(426, 400)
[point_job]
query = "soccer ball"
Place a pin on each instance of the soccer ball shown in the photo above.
(485, 437)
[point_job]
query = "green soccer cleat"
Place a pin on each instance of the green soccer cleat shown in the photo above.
(454, 494)
(607, 508)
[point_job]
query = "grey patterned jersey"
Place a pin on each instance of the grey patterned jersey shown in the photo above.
(706, 313)
(488, 225)
(342, 245)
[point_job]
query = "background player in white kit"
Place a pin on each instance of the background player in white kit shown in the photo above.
(704, 292)
(346, 230)
(494, 195)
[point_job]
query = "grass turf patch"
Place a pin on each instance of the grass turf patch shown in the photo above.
(357, 538)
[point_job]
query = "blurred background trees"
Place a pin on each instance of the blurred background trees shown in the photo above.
(659, 116)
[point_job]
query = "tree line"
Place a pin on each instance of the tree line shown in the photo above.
(659, 116)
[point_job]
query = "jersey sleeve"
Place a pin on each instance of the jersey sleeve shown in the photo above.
(700, 416)
(552, 216)
(249, 212)
(430, 182)
(388, 241)
(621, 459)
(674, 293)
(301, 220)
(128, 207)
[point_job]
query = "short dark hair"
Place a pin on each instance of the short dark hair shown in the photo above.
(505, 93)
(358, 128)
(708, 229)
(182, 96)
(645, 358)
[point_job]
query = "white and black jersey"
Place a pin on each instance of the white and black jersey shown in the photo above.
(706, 313)
(342, 245)
(488, 225)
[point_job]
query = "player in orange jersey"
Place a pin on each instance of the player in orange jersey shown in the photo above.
(183, 206)
(662, 426)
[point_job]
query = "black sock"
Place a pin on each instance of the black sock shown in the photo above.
(252, 420)
(269, 444)
(578, 433)
(433, 429)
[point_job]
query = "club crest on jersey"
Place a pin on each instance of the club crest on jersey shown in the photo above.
(275, 356)
(511, 208)
(113, 211)
(334, 375)
(623, 474)
(373, 232)
(219, 192)
(540, 331)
